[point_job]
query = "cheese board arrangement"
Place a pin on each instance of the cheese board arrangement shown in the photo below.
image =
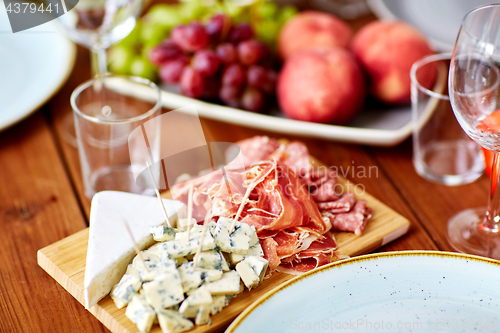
(138, 265)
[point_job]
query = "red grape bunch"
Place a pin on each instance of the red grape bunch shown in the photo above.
(217, 60)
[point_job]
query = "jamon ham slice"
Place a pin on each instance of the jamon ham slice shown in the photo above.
(353, 221)
(292, 205)
(342, 205)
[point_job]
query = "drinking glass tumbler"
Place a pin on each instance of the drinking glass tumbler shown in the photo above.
(105, 113)
(442, 152)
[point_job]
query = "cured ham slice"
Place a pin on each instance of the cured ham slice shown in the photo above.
(342, 205)
(353, 221)
(292, 205)
(258, 148)
(269, 246)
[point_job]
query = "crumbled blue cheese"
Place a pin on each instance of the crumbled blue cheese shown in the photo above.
(229, 283)
(198, 298)
(181, 248)
(247, 274)
(140, 313)
(190, 280)
(203, 315)
(219, 302)
(171, 321)
(259, 266)
(236, 242)
(212, 260)
(162, 233)
(162, 267)
(164, 291)
(254, 250)
(210, 275)
(122, 293)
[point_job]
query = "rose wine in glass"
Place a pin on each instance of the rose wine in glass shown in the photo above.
(474, 88)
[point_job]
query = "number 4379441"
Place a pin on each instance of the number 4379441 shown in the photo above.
(31, 7)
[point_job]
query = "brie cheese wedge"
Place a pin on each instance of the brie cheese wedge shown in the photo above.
(110, 248)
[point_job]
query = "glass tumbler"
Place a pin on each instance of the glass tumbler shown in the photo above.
(106, 110)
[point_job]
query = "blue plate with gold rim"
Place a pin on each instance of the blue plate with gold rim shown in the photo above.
(409, 291)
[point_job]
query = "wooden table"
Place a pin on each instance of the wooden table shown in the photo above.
(42, 201)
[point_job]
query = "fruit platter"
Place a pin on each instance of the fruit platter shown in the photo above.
(275, 68)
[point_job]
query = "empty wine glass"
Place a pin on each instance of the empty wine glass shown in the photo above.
(474, 88)
(97, 24)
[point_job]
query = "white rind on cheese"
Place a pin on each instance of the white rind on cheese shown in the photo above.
(110, 248)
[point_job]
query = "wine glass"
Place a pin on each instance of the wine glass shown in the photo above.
(474, 88)
(97, 24)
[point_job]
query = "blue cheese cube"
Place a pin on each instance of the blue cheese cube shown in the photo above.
(219, 302)
(203, 315)
(229, 283)
(162, 267)
(162, 233)
(247, 274)
(193, 279)
(212, 260)
(190, 280)
(180, 248)
(210, 275)
(198, 298)
(140, 313)
(171, 321)
(164, 291)
(254, 250)
(122, 293)
(238, 241)
(259, 266)
(192, 235)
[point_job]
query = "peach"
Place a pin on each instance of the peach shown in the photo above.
(312, 30)
(387, 51)
(324, 86)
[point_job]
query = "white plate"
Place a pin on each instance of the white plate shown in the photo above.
(439, 20)
(375, 127)
(33, 65)
(410, 291)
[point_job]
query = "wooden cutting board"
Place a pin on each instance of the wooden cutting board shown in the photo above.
(65, 262)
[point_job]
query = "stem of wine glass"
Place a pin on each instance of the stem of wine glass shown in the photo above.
(98, 61)
(493, 214)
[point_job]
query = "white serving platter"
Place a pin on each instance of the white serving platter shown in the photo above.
(438, 20)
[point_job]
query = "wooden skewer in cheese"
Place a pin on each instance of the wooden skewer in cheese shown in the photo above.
(190, 209)
(136, 247)
(205, 228)
(242, 205)
(158, 196)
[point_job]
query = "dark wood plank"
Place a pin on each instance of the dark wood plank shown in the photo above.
(433, 204)
(38, 207)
